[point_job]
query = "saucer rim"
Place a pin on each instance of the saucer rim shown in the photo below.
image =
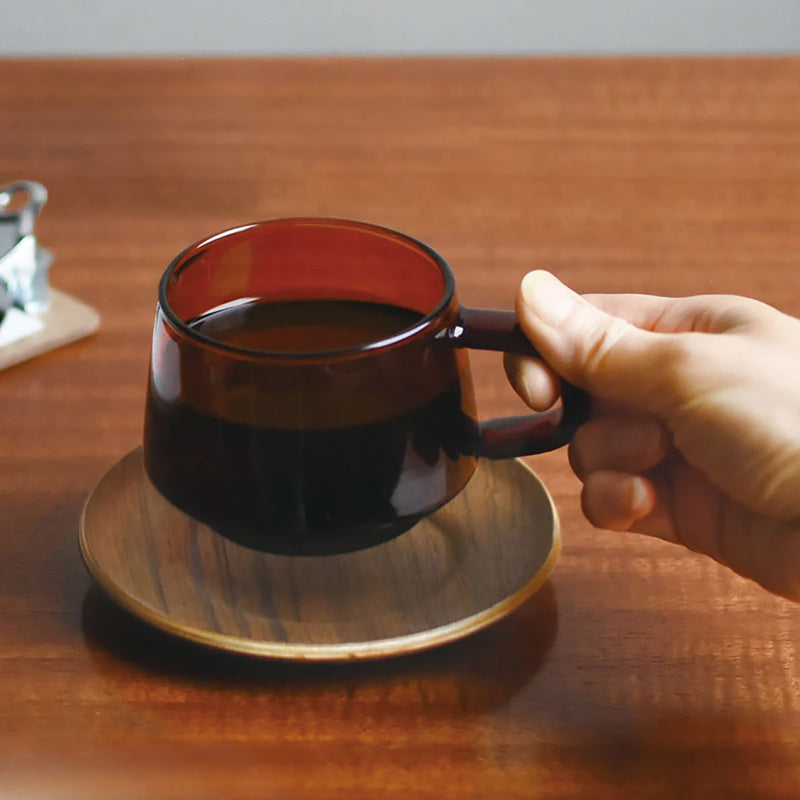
(375, 649)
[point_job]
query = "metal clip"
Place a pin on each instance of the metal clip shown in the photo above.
(23, 263)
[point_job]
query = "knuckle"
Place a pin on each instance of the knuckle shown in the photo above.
(600, 343)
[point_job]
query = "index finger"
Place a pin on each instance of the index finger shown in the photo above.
(699, 313)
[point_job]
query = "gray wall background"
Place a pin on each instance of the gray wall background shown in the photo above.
(255, 27)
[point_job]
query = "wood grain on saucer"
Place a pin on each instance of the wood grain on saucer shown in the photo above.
(467, 565)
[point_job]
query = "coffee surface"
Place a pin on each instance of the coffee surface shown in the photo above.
(304, 326)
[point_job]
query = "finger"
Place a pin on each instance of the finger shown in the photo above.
(768, 551)
(532, 380)
(630, 444)
(714, 313)
(764, 550)
(645, 311)
(604, 354)
(617, 500)
(690, 511)
(539, 387)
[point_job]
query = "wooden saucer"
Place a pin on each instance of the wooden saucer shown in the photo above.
(464, 567)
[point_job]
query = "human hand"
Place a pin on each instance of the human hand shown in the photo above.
(695, 435)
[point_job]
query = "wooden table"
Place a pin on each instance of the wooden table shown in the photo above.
(640, 670)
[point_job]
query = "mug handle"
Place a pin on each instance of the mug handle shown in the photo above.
(511, 437)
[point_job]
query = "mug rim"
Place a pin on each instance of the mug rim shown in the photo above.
(417, 329)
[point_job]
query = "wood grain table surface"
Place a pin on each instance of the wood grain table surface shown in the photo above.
(639, 670)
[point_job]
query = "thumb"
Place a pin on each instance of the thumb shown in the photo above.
(602, 353)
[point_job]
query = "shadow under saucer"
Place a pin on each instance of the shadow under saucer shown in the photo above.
(475, 674)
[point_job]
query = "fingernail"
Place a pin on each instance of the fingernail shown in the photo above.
(547, 297)
(640, 501)
(525, 386)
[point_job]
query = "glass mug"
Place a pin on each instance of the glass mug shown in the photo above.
(310, 390)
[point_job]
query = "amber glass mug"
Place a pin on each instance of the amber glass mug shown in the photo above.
(310, 390)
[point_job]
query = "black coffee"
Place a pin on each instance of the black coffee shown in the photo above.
(302, 326)
(318, 489)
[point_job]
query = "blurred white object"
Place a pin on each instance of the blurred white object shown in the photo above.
(23, 263)
(34, 318)
(24, 292)
(17, 325)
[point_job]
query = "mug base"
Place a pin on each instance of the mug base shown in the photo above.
(291, 538)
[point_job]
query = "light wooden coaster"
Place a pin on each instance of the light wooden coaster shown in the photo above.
(464, 567)
(66, 321)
